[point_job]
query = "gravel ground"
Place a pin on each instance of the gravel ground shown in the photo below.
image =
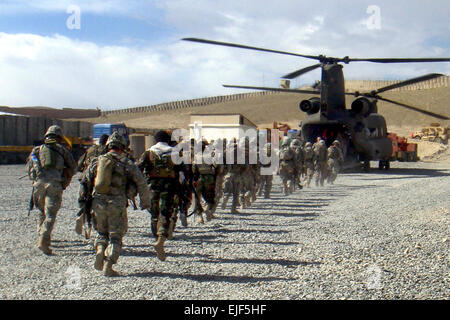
(370, 236)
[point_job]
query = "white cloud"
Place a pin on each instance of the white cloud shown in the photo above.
(58, 71)
(93, 6)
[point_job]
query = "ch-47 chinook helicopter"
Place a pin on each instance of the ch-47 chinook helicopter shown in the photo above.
(361, 130)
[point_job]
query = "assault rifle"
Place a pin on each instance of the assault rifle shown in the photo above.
(31, 203)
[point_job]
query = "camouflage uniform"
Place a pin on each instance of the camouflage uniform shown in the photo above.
(185, 193)
(50, 167)
(308, 163)
(266, 179)
(162, 175)
(115, 178)
(83, 163)
(296, 147)
(205, 180)
(91, 153)
(320, 162)
(247, 184)
(232, 181)
(335, 160)
(287, 164)
(232, 186)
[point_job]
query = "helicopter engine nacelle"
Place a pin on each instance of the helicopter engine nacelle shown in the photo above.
(364, 106)
(310, 106)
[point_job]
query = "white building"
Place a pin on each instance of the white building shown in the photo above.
(219, 126)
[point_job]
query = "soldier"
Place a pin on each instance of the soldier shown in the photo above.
(93, 152)
(205, 181)
(308, 163)
(287, 163)
(247, 181)
(113, 178)
(320, 161)
(266, 180)
(186, 189)
(220, 171)
(335, 161)
(296, 147)
(232, 181)
(162, 175)
(50, 167)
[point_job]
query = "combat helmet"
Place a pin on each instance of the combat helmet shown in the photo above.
(308, 144)
(285, 142)
(336, 143)
(55, 131)
(116, 140)
(295, 143)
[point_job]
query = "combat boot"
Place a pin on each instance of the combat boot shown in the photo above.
(44, 246)
(234, 210)
(171, 229)
(183, 219)
(99, 257)
(108, 270)
(209, 215)
(79, 224)
(200, 218)
(159, 247)
(224, 203)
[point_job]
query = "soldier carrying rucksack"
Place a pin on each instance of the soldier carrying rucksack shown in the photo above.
(162, 179)
(114, 179)
(50, 167)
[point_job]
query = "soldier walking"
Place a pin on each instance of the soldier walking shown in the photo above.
(232, 181)
(93, 152)
(50, 167)
(308, 163)
(205, 181)
(114, 178)
(162, 175)
(335, 161)
(296, 146)
(84, 215)
(320, 161)
(286, 171)
(266, 180)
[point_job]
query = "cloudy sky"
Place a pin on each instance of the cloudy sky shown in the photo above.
(114, 54)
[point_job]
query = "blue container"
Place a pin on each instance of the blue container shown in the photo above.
(109, 128)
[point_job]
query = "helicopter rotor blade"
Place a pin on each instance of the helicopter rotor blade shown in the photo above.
(235, 45)
(408, 82)
(428, 113)
(273, 89)
(400, 60)
(299, 72)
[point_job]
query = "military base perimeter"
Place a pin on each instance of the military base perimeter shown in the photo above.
(159, 150)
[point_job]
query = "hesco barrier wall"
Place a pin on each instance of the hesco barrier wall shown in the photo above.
(350, 85)
(23, 131)
(189, 103)
(367, 85)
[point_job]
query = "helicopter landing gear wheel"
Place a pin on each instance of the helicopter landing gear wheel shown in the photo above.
(384, 164)
(366, 166)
